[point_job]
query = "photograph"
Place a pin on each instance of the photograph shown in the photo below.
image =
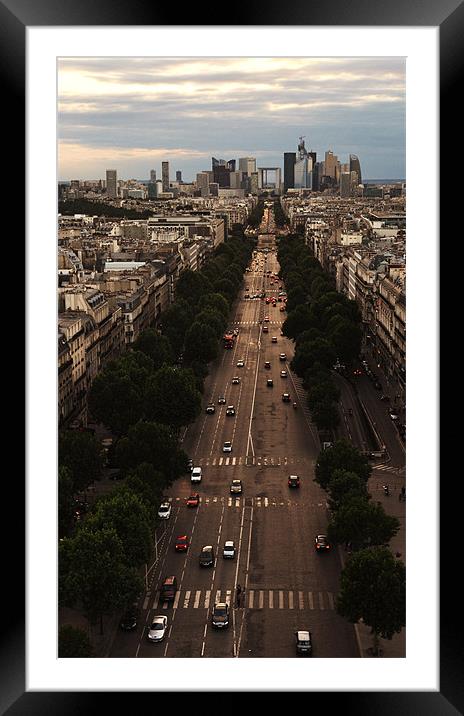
(216, 393)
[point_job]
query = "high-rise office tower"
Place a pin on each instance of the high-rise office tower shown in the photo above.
(330, 163)
(235, 180)
(222, 175)
(303, 168)
(202, 182)
(152, 189)
(231, 165)
(345, 185)
(111, 183)
(165, 175)
(179, 176)
(254, 183)
(152, 175)
(289, 170)
(355, 166)
(247, 165)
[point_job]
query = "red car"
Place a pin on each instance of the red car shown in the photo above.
(182, 543)
(193, 500)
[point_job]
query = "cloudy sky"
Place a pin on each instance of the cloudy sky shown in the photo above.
(131, 114)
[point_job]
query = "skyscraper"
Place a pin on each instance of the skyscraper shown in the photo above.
(355, 166)
(345, 185)
(289, 170)
(178, 176)
(247, 165)
(202, 182)
(303, 168)
(165, 175)
(152, 175)
(111, 183)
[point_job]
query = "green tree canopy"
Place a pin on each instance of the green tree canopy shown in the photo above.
(65, 501)
(156, 346)
(73, 643)
(172, 397)
(214, 301)
(175, 322)
(341, 456)
(297, 321)
(80, 452)
(373, 588)
(191, 286)
(345, 485)
(325, 415)
(362, 523)
(201, 343)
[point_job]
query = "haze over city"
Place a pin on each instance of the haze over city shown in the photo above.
(134, 113)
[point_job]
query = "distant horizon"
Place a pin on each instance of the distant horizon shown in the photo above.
(191, 181)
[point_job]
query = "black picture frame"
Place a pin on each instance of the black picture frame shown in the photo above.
(15, 17)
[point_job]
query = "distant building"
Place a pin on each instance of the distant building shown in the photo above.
(289, 169)
(179, 176)
(165, 176)
(152, 175)
(355, 167)
(345, 185)
(111, 183)
(247, 165)
(202, 182)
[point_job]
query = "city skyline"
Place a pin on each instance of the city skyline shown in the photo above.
(135, 113)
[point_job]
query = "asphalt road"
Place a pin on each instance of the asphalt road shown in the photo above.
(287, 585)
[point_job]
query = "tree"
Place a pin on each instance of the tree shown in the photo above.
(153, 443)
(175, 321)
(214, 301)
(80, 453)
(201, 343)
(124, 512)
(65, 501)
(191, 286)
(73, 643)
(323, 391)
(362, 523)
(295, 297)
(172, 397)
(325, 415)
(226, 288)
(373, 588)
(157, 347)
(341, 456)
(146, 482)
(94, 574)
(346, 340)
(343, 486)
(213, 319)
(297, 321)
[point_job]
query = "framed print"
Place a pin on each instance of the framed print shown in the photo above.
(45, 48)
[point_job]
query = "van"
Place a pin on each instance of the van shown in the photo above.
(168, 589)
(196, 475)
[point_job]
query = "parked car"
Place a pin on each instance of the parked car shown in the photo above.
(164, 510)
(220, 615)
(157, 630)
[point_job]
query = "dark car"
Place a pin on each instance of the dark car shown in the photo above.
(304, 644)
(286, 397)
(283, 356)
(321, 543)
(211, 408)
(220, 615)
(293, 481)
(267, 365)
(129, 619)
(235, 487)
(168, 589)
(221, 400)
(230, 410)
(206, 558)
(269, 382)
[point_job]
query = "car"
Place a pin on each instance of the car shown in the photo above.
(230, 410)
(235, 487)
(189, 465)
(235, 380)
(283, 373)
(235, 331)
(321, 543)
(274, 339)
(210, 408)
(229, 549)
(266, 319)
(269, 383)
(265, 329)
(182, 543)
(357, 371)
(267, 365)
(303, 642)
(283, 356)
(193, 500)
(393, 415)
(164, 510)
(128, 620)
(286, 397)
(157, 630)
(293, 481)
(268, 300)
(168, 589)
(196, 475)
(221, 400)
(227, 447)
(206, 558)
(240, 363)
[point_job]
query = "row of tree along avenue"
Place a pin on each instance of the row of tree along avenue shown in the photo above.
(144, 398)
(373, 582)
(324, 324)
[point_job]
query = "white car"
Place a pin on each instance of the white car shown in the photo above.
(229, 550)
(227, 446)
(157, 630)
(165, 510)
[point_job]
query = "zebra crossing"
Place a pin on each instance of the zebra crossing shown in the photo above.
(384, 467)
(251, 501)
(249, 460)
(298, 600)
